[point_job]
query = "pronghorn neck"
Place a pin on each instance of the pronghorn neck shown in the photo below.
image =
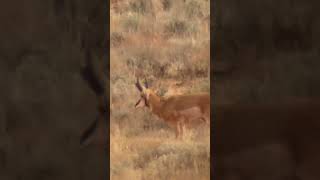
(155, 103)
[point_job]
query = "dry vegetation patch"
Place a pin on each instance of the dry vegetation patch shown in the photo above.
(166, 41)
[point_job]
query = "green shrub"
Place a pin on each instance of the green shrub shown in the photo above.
(116, 39)
(167, 4)
(141, 6)
(131, 23)
(193, 9)
(177, 27)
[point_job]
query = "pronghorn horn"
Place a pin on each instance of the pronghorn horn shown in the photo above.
(138, 85)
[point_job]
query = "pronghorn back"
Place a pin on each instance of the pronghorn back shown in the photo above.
(182, 102)
(185, 101)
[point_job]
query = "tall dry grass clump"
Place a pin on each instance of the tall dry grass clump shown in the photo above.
(166, 41)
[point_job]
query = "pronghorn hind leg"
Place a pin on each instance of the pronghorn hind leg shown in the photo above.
(205, 120)
(181, 130)
(181, 123)
(177, 129)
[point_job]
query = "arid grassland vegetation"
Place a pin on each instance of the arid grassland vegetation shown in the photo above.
(167, 42)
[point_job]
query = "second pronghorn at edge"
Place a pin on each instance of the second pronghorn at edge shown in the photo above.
(177, 111)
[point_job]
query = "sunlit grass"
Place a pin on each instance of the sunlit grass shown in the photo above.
(158, 40)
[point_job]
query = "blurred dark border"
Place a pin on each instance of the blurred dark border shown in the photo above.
(262, 52)
(45, 105)
(213, 41)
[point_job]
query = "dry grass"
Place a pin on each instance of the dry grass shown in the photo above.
(168, 42)
(157, 155)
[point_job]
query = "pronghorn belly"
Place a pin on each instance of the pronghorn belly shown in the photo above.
(190, 117)
(191, 113)
(193, 116)
(173, 119)
(194, 123)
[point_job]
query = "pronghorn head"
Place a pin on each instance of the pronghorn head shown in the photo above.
(144, 94)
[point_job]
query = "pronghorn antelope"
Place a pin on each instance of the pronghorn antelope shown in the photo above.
(177, 111)
(295, 126)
